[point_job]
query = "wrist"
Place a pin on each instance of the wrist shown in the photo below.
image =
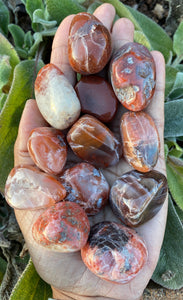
(60, 295)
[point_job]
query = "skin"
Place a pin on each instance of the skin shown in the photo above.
(66, 273)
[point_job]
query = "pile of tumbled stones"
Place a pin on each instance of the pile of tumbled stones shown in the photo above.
(71, 193)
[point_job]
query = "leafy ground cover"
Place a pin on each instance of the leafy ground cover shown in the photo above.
(26, 31)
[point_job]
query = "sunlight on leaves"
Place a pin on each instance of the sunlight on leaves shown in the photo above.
(30, 286)
(21, 90)
(169, 270)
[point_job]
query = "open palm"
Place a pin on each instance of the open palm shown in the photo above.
(66, 272)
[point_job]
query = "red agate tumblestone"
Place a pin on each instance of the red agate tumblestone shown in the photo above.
(93, 142)
(48, 149)
(28, 188)
(140, 138)
(114, 252)
(97, 97)
(89, 44)
(86, 186)
(133, 76)
(63, 227)
(56, 97)
(137, 197)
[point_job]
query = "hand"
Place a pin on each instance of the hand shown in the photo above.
(66, 273)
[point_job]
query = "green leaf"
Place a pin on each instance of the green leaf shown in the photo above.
(154, 34)
(169, 270)
(4, 18)
(17, 34)
(174, 149)
(178, 41)
(173, 118)
(7, 49)
(3, 98)
(5, 71)
(174, 168)
(30, 286)
(139, 37)
(93, 7)
(170, 79)
(28, 40)
(39, 17)
(58, 10)
(177, 90)
(37, 40)
(32, 5)
(179, 212)
(21, 90)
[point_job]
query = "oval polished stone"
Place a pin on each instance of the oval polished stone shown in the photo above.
(28, 188)
(47, 149)
(133, 76)
(114, 252)
(86, 186)
(140, 140)
(97, 97)
(137, 197)
(93, 142)
(63, 227)
(89, 44)
(56, 98)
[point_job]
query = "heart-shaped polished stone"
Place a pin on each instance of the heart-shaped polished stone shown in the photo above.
(137, 197)
(63, 227)
(56, 98)
(114, 252)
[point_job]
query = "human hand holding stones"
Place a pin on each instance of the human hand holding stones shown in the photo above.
(61, 195)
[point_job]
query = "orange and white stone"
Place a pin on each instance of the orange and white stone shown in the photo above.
(56, 98)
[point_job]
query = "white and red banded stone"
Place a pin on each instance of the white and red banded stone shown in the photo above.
(141, 143)
(89, 44)
(56, 98)
(28, 188)
(48, 150)
(86, 186)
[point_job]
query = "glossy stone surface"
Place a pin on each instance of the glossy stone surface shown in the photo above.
(140, 140)
(47, 149)
(97, 97)
(137, 197)
(56, 98)
(86, 186)
(89, 44)
(28, 188)
(133, 76)
(93, 142)
(114, 252)
(63, 227)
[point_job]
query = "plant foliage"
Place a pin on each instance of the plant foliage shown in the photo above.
(19, 64)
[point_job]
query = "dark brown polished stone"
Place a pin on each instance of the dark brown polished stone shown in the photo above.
(93, 142)
(97, 97)
(137, 197)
